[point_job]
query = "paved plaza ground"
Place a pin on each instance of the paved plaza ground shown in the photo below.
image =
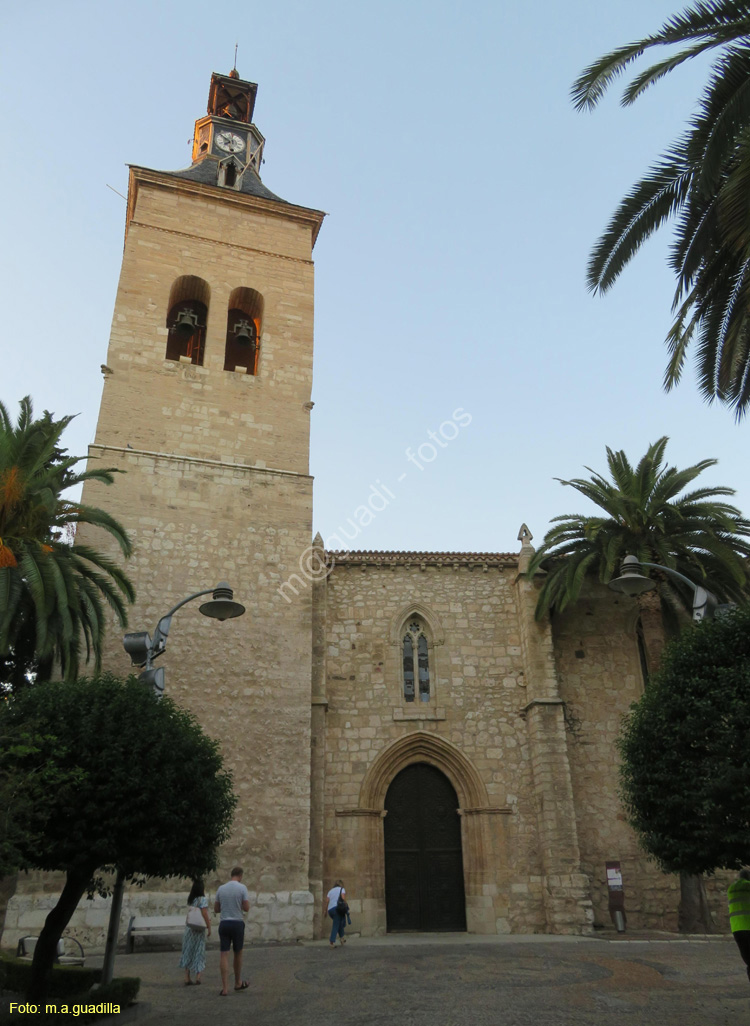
(457, 980)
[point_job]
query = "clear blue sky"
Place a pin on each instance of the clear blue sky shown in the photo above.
(464, 195)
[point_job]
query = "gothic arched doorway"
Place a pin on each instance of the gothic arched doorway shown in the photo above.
(424, 876)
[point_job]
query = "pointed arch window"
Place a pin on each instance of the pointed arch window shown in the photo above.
(416, 662)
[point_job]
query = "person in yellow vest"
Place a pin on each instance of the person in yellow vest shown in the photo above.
(739, 914)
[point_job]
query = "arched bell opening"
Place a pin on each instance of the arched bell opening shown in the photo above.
(424, 873)
(187, 317)
(244, 325)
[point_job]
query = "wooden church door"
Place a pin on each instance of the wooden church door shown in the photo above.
(424, 878)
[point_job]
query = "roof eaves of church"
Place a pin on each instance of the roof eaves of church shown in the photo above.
(384, 558)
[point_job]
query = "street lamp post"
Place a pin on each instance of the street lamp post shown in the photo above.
(143, 649)
(632, 582)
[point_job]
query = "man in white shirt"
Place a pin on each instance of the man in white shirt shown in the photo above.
(231, 901)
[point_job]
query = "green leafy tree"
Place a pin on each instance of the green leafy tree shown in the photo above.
(646, 512)
(30, 776)
(51, 591)
(700, 183)
(685, 770)
(140, 788)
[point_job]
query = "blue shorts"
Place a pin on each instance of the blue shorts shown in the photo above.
(231, 934)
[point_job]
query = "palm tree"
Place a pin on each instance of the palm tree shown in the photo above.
(701, 182)
(51, 590)
(646, 515)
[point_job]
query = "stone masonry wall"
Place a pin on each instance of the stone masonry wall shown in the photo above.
(154, 404)
(478, 694)
(273, 916)
(247, 680)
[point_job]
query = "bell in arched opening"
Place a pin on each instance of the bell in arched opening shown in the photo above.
(243, 331)
(186, 324)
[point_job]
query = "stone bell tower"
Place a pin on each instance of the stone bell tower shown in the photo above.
(206, 408)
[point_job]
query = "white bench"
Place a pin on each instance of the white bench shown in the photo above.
(140, 926)
(63, 956)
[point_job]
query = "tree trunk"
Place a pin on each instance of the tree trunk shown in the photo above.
(693, 915)
(113, 929)
(7, 890)
(654, 638)
(54, 924)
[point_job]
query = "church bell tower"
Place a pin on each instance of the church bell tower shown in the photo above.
(206, 408)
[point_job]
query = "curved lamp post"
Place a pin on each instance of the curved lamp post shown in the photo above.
(632, 582)
(143, 649)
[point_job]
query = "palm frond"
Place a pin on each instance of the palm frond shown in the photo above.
(657, 71)
(701, 184)
(60, 587)
(650, 203)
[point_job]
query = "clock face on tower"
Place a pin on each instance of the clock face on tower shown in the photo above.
(230, 142)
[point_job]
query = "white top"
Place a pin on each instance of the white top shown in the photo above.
(230, 897)
(333, 896)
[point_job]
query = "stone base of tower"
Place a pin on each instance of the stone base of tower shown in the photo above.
(567, 904)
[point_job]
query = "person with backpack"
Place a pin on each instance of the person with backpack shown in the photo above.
(335, 903)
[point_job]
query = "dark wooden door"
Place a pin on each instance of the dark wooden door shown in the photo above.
(424, 876)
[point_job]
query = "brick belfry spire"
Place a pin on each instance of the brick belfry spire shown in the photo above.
(206, 408)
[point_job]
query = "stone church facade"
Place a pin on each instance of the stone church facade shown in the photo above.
(397, 719)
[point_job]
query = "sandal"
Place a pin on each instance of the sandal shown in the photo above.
(243, 986)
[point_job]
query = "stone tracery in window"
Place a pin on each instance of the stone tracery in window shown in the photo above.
(416, 663)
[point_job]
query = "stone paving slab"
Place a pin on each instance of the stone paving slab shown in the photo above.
(414, 981)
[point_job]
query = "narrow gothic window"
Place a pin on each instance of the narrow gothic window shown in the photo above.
(416, 678)
(408, 668)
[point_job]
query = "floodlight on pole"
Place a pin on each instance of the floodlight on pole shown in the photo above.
(632, 582)
(143, 649)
